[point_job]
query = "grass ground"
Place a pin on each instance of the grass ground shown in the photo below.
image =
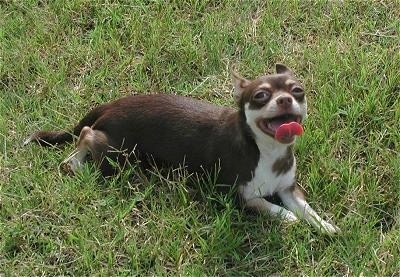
(61, 58)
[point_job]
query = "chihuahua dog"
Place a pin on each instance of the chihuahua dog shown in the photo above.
(252, 145)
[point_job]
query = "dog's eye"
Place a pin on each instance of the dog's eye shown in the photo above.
(298, 93)
(262, 96)
(297, 90)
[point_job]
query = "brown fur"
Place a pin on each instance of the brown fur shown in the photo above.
(166, 128)
(285, 163)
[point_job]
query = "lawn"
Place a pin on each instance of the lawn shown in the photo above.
(59, 59)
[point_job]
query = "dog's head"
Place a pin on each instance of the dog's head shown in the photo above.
(274, 105)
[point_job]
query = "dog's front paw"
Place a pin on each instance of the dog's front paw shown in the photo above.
(288, 216)
(329, 229)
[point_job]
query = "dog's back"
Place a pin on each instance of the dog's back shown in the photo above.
(174, 130)
(168, 130)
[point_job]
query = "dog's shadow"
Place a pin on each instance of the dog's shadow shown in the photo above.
(219, 228)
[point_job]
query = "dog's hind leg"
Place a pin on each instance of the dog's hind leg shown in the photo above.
(93, 141)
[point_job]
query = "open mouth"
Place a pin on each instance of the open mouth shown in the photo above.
(270, 127)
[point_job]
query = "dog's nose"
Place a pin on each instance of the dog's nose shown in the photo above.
(284, 102)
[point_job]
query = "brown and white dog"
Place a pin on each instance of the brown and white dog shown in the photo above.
(173, 129)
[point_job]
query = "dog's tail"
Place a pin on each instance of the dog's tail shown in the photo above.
(51, 138)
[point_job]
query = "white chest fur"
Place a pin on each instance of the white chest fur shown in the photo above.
(265, 180)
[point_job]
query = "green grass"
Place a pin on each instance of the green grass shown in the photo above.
(61, 58)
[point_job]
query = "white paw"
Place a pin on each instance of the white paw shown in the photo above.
(328, 228)
(75, 165)
(288, 216)
(72, 165)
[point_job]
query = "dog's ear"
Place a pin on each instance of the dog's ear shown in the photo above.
(240, 84)
(283, 69)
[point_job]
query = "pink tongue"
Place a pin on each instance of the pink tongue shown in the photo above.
(287, 131)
